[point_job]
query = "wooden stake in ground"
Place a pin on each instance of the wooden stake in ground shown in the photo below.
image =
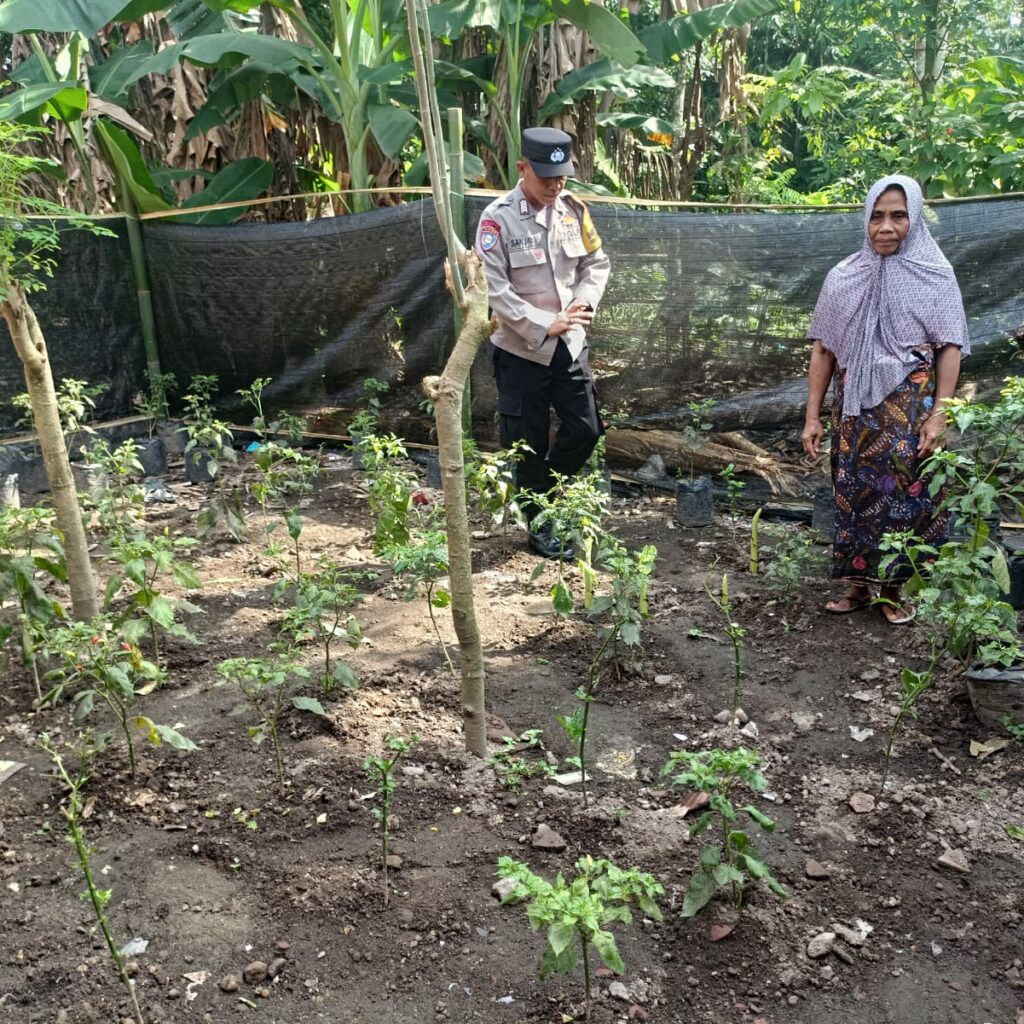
(446, 391)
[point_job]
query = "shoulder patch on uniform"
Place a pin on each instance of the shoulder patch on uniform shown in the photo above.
(490, 232)
(591, 239)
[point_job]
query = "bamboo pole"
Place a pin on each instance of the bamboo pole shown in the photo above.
(142, 292)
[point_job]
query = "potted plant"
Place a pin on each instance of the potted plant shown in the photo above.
(163, 434)
(962, 587)
(695, 498)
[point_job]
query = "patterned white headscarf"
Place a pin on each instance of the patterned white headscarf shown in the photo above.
(874, 310)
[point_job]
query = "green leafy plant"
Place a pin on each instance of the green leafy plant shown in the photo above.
(735, 488)
(1014, 831)
(367, 418)
(422, 563)
(142, 559)
(76, 403)
(735, 632)
(101, 667)
(794, 557)
(696, 430)
(577, 914)
(29, 545)
(154, 402)
(735, 861)
(391, 488)
(490, 480)
(618, 616)
(121, 499)
(382, 771)
(283, 425)
(73, 811)
(511, 769)
(574, 511)
(1015, 729)
(285, 475)
(321, 613)
(269, 686)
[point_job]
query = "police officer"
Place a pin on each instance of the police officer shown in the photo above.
(546, 273)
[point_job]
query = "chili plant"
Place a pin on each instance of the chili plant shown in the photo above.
(72, 809)
(735, 632)
(422, 563)
(490, 479)
(574, 510)
(29, 544)
(576, 914)
(730, 865)
(321, 613)
(367, 419)
(696, 431)
(391, 488)
(735, 488)
(618, 616)
(269, 686)
(794, 556)
(142, 559)
(283, 475)
(99, 666)
(382, 771)
(121, 499)
(153, 402)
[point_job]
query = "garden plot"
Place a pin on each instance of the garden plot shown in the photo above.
(246, 899)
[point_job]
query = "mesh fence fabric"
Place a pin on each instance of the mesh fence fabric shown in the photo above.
(699, 305)
(89, 314)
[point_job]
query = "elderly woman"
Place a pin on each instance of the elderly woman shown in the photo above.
(889, 330)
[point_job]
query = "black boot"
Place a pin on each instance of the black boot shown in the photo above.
(544, 543)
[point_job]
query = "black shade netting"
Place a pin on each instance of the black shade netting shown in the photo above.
(717, 305)
(89, 315)
(318, 307)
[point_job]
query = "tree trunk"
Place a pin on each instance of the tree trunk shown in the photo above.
(446, 393)
(31, 348)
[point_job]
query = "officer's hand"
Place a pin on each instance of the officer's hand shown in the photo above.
(578, 314)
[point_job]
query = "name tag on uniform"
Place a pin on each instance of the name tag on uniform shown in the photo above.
(523, 243)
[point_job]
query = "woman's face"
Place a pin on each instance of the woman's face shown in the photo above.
(889, 221)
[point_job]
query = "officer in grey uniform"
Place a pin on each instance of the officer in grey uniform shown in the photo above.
(546, 273)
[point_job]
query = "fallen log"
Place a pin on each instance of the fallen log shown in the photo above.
(713, 454)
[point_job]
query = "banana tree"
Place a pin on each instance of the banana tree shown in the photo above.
(515, 25)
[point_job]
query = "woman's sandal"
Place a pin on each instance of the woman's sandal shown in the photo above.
(899, 614)
(852, 604)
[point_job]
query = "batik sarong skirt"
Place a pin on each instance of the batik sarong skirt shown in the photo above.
(876, 474)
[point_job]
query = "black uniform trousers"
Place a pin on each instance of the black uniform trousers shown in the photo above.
(527, 391)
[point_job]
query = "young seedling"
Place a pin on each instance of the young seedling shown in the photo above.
(269, 686)
(511, 769)
(382, 771)
(717, 772)
(101, 666)
(696, 431)
(793, 557)
(72, 810)
(1015, 729)
(391, 488)
(422, 563)
(153, 403)
(121, 499)
(367, 419)
(322, 613)
(735, 632)
(29, 546)
(490, 479)
(142, 559)
(573, 510)
(580, 911)
(912, 685)
(618, 617)
(735, 488)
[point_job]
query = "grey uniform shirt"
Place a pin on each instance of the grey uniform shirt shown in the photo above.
(537, 263)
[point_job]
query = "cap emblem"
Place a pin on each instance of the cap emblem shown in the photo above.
(557, 156)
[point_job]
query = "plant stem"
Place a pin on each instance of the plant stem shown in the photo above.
(586, 974)
(437, 629)
(385, 804)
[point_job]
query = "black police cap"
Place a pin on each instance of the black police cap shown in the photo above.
(549, 152)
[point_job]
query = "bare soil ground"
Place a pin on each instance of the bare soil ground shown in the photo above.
(213, 896)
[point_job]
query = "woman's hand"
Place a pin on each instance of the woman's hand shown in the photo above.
(814, 431)
(932, 432)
